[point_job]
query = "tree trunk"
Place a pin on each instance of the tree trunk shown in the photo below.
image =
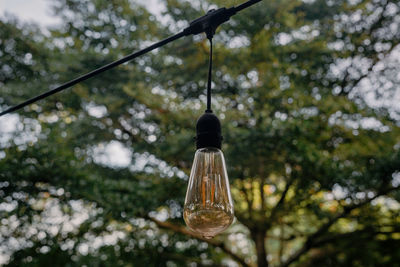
(259, 239)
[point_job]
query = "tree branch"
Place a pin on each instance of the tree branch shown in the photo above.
(183, 230)
(249, 202)
(312, 239)
(281, 200)
(368, 231)
(262, 195)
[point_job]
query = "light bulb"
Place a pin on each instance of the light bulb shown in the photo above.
(208, 208)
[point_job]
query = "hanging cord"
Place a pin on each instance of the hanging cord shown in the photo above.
(209, 77)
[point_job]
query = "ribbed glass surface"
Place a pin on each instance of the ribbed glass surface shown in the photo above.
(208, 206)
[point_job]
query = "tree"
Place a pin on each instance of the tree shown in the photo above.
(313, 156)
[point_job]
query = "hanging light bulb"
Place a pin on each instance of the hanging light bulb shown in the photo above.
(208, 208)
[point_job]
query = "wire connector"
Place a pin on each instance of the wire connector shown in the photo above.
(210, 22)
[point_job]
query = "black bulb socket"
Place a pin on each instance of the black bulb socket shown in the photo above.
(208, 131)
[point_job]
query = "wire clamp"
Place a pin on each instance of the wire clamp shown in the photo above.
(210, 21)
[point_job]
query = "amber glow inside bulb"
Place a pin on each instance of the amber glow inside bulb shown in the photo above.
(208, 206)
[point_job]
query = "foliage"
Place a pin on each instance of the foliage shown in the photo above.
(301, 88)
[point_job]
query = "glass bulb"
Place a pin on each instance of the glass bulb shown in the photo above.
(208, 206)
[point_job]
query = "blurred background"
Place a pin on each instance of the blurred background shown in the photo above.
(308, 94)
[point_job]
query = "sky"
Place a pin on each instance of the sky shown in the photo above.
(39, 10)
(29, 10)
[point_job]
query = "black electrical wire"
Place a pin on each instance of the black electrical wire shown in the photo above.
(246, 5)
(207, 23)
(209, 78)
(94, 73)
